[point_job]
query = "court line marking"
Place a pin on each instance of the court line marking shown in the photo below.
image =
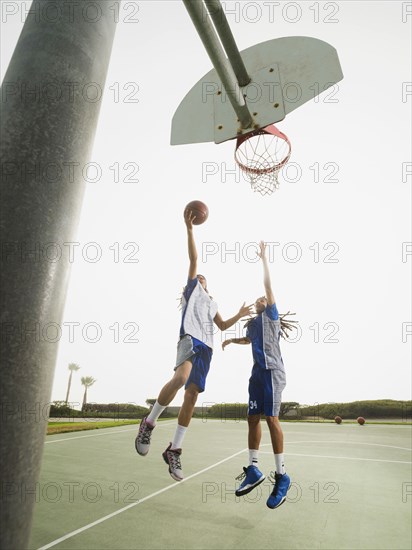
(347, 442)
(342, 457)
(168, 487)
(106, 433)
(117, 512)
(350, 458)
(352, 425)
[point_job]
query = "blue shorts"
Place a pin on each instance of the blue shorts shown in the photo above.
(200, 355)
(265, 391)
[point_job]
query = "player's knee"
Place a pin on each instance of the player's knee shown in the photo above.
(272, 420)
(179, 380)
(253, 419)
(191, 393)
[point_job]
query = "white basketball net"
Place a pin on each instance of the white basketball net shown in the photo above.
(261, 155)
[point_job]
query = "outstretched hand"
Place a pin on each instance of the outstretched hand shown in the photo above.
(246, 310)
(262, 250)
(226, 343)
(189, 218)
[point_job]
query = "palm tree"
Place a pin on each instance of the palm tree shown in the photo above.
(72, 368)
(87, 381)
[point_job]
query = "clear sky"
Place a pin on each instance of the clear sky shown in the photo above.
(339, 224)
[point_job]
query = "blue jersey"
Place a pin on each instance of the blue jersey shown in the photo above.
(264, 333)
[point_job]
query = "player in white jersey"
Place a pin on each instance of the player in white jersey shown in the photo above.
(194, 353)
(266, 384)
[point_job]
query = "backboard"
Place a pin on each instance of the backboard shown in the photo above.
(285, 73)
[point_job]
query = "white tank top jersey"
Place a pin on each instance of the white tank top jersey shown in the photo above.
(198, 314)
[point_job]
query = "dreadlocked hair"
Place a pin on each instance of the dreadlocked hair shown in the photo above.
(286, 325)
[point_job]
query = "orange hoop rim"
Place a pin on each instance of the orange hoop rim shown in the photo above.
(269, 130)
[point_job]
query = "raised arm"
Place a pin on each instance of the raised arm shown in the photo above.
(191, 245)
(266, 276)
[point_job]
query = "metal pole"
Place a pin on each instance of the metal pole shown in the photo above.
(207, 33)
(228, 41)
(51, 97)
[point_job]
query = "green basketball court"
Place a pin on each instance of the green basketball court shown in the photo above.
(352, 488)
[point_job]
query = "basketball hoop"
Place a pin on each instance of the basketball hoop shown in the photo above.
(261, 155)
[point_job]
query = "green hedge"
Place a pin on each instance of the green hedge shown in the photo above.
(234, 411)
(380, 408)
(238, 411)
(59, 409)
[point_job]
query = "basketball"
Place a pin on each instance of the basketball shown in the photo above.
(338, 419)
(200, 210)
(360, 420)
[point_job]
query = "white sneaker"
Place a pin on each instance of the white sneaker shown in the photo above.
(142, 441)
(172, 459)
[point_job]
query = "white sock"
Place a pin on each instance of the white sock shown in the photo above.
(253, 457)
(155, 413)
(178, 438)
(280, 463)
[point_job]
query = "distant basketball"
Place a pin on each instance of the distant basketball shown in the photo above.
(360, 420)
(200, 210)
(338, 419)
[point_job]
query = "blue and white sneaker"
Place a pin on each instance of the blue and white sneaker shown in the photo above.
(252, 478)
(281, 487)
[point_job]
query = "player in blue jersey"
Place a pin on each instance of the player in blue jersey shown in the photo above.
(194, 354)
(266, 384)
